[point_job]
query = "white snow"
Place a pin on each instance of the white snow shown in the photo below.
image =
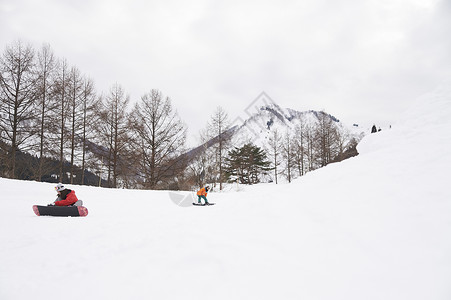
(377, 226)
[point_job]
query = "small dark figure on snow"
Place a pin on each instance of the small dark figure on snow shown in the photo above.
(202, 194)
(373, 129)
(65, 196)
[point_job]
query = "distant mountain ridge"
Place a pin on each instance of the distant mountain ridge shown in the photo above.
(258, 127)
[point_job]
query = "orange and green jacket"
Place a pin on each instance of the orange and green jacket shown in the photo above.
(202, 192)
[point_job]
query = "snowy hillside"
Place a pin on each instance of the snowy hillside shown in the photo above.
(376, 226)
(259, 127)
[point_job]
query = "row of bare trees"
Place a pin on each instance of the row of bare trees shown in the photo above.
(45, 109)
(293, 153)
(51, 110)
(208, 163)
(310, 146)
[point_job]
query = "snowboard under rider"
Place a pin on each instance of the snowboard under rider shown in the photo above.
(202, 194)
(66, 197)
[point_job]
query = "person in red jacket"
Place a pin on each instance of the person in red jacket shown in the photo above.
(66, 197)
(202, 194)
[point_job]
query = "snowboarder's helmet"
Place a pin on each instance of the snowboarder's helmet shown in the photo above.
(207, 187)
(59, 187)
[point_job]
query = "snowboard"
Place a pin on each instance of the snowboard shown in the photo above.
(197, 204)
(60, 211)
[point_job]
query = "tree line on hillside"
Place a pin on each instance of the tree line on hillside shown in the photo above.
(51, 112)
(290, 154)
(311, 146)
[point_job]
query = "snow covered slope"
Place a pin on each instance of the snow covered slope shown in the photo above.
(259, 127)
(377, 226)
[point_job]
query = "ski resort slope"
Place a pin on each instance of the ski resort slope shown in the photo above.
(377, 226)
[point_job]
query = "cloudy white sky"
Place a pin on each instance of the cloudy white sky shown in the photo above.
(363, 61)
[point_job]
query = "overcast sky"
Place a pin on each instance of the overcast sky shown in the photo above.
(362, 61)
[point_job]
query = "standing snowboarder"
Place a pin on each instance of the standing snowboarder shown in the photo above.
(66, 197)
(202, 194)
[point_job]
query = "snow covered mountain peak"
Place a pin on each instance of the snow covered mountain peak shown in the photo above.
(270, 117)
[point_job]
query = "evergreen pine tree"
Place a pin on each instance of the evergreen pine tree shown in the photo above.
(247, 164)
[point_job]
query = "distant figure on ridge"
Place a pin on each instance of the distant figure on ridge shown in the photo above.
(373, 129)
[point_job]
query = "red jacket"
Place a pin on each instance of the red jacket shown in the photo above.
(70, 199)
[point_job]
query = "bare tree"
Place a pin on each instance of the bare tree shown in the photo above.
(218, 126)
(161, 135)
(287, 150)
(46, 65)
(18, 98)
(114, 130)
(275, 151)
(90, 106)
(76, 112)
(202, 161)
(310, 139)
(299, 148)
(325, 135)
(61, 113)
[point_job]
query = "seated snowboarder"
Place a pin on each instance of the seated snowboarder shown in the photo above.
(66, 197)
(202, 194)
